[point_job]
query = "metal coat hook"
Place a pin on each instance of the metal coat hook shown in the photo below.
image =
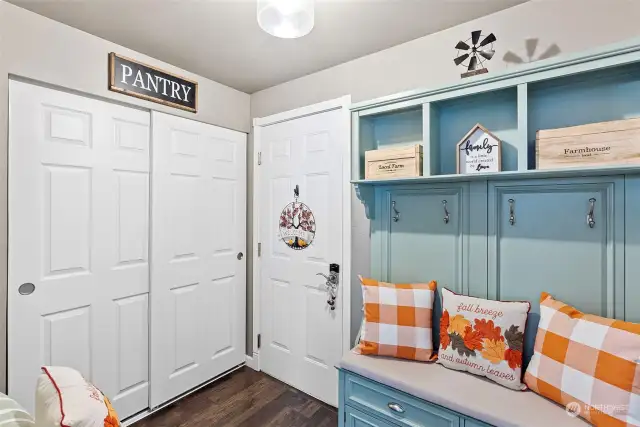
(296, 192)
(590, 219)
(512, 215)
(396, 216)
(446, 212)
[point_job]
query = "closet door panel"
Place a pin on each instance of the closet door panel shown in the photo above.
(198, 275)
(124, 259)
(78, 231)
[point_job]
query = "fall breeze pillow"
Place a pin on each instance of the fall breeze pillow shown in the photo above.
(483, 337)
(397, 320)
(588, 363)
(65, 399)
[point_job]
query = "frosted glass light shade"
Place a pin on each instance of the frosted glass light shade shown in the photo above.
(287, 19)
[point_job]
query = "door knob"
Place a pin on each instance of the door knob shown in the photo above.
(240, 255)
(26, 289)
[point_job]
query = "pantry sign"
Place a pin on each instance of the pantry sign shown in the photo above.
(144, 81)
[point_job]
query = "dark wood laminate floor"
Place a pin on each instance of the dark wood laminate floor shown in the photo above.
(245, 398)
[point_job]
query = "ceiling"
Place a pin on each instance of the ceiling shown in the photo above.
(220, 39)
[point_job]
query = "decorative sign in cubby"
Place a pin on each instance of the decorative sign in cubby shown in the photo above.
(478, 152)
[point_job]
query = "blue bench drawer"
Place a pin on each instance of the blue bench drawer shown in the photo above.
(381, 401)
(355, 418)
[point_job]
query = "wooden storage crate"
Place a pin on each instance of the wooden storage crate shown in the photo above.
(393, 162)
(597, 144)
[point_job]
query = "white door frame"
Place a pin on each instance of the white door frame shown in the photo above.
(343, 103)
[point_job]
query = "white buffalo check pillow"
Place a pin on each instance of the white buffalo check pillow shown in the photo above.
(397, 320)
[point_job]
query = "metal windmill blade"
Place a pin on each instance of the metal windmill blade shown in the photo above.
(462, 46)
(475, 36)
(489, 39)
(486, 54)
(460, 59)
(473, 62)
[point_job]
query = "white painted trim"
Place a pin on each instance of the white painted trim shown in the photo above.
(334, 104)
(256, 240)
(343, 103)
(253, 362)
(346, 225)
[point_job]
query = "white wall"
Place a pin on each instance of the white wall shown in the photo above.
(46, 51)
(427, 62)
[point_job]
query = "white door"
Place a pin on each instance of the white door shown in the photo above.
(78, 232)
(301, 335)
(198, 277)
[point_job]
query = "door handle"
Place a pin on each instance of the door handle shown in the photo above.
(331, 284)
(240, 255)
(26, 289)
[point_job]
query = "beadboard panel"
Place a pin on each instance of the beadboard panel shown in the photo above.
(540, 241)
(421, 246)
(632, 249)
(549, 248)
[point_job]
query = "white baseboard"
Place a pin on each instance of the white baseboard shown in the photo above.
(253, 362)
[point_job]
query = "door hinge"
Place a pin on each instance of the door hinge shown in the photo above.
(259, 250)
(259, 158)
(259, 341)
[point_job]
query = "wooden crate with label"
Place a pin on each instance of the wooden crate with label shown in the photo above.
(394, 162)
(596, 144)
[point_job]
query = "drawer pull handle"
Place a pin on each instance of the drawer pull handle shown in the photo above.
(590, 219)
(395, 407)
(512, 213)
(446, 212)
(396, 214)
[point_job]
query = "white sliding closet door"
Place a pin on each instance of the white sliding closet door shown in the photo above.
(78, 233)
(198, 266)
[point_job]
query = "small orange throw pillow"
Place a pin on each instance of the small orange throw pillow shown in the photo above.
(397, 320)
(589, 364)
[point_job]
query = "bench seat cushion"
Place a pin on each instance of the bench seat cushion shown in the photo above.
(464, 393)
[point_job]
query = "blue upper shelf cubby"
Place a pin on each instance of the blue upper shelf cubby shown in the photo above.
(573, 90)
(453, 118)
(591, 97)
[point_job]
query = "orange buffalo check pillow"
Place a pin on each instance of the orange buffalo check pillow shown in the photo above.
(588, 363)
(397, 320)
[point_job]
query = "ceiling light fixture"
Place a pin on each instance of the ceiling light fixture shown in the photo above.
(287, 19)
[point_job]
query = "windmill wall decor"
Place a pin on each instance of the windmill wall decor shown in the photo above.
(472, 53)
